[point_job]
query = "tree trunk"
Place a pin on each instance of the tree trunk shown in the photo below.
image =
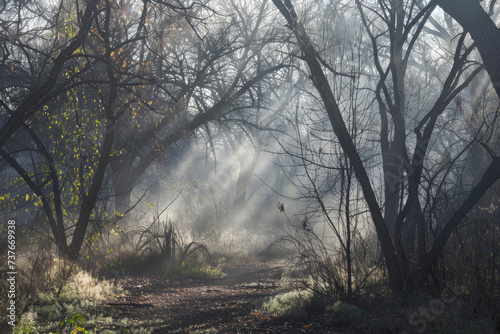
(471, 15)
(392, 187)
(89, 200)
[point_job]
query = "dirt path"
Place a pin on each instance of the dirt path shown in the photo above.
(206, 306)
(227, 305)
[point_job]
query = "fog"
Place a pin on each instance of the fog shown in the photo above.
(351, 145)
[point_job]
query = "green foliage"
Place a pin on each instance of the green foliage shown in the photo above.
(75, 307)
(79, 315)
(75, 323)
(51, 309)
(26, 325)
(343, 313)
(197, 271)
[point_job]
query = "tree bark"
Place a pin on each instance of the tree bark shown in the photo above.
(471, 15)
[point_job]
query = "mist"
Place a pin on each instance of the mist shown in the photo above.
(250, 166)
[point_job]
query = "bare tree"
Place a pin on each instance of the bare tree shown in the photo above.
(87, 82)
(206, 78)
(393, 40)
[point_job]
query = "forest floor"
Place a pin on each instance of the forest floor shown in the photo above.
(226, 305)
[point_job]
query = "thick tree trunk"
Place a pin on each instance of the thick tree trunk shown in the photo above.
(471, 15)
(392, 187)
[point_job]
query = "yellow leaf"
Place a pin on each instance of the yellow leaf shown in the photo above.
(27, 197)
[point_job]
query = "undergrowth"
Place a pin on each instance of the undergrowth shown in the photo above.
(192, 270)
(77, 307)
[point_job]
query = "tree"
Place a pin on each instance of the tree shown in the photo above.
(479, 24)
(85, 83)
(46, 85)
(330, 234)
(206, 79)
(73, 115)
(408, 256)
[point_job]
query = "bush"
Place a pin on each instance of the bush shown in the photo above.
(68, 307)
(197, 271)
(292, 303)
(84, 285)
(343, 313)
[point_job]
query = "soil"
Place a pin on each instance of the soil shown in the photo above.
(226, 305)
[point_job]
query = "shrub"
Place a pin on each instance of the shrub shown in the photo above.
(68, 307)
(343, 313)
(292, 303)
(84, 285)
(197, 271)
